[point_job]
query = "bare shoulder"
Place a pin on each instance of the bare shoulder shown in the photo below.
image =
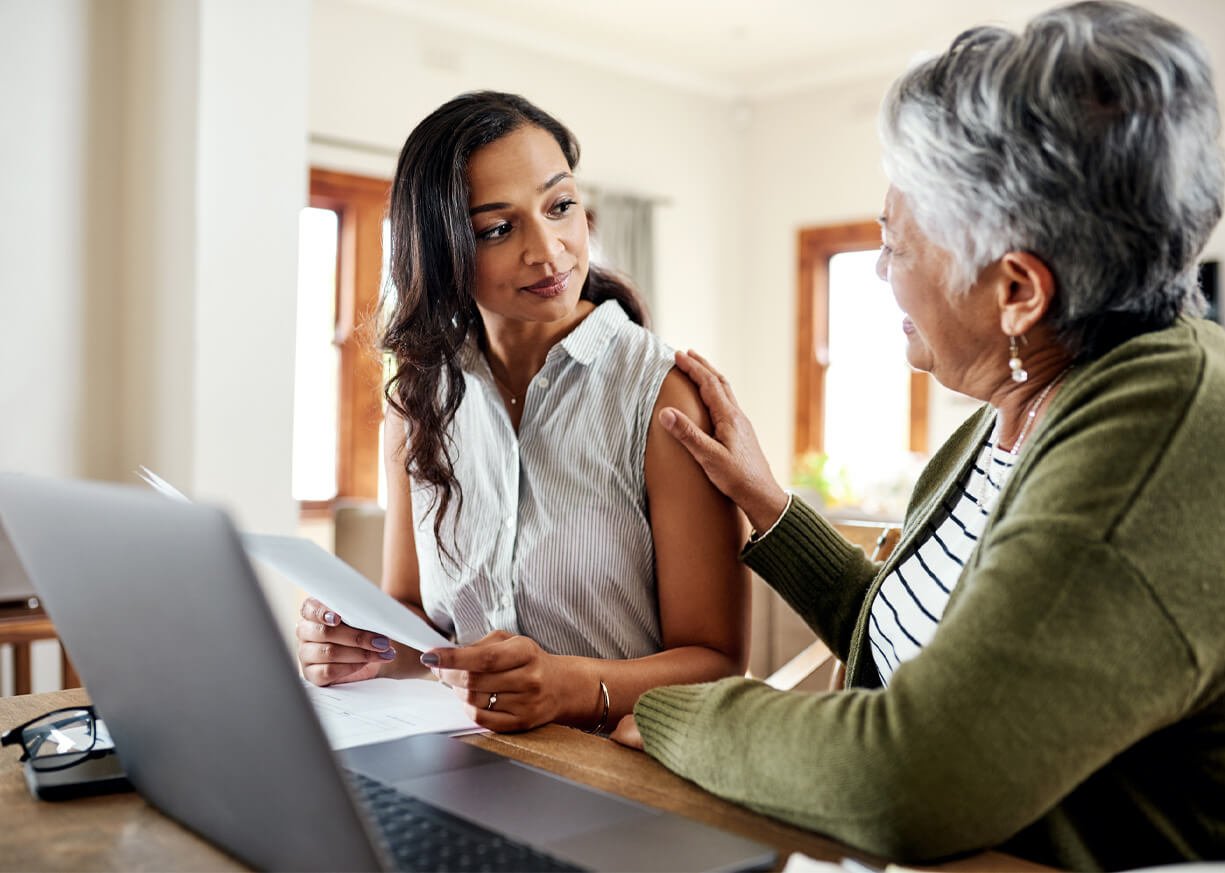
(678, 392)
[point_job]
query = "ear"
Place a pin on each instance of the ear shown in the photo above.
(1024, 293)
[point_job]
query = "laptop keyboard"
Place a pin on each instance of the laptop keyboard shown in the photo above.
(422, 837)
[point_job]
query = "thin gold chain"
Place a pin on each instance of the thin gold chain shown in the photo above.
(514, 398)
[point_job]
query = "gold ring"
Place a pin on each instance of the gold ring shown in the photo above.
(493, 698)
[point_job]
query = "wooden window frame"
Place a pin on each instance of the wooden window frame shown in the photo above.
(816, 245)
(360, 203)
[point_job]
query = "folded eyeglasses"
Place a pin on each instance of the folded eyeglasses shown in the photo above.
(60, 739)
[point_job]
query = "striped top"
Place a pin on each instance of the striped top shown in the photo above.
(911, 600)
(553, 537)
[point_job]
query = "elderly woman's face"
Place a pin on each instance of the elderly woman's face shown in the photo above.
(951, 334)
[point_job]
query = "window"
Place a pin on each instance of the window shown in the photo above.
(864, 419)
(338, 374)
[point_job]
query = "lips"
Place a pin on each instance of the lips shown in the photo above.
(549, 286)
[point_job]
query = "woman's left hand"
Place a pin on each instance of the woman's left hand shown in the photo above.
(508, 682)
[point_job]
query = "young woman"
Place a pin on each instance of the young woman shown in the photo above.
(537, 512)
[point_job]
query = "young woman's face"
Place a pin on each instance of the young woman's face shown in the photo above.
(530, 228)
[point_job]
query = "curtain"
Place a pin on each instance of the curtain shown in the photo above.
(623, 237)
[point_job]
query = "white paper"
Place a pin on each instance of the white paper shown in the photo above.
(358, 601)
(798, 862)
(159, 484)
(360, 713)
(322, 575)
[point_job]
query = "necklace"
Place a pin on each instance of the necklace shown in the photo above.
(988, 484)
(514, 398)
(1033, 411)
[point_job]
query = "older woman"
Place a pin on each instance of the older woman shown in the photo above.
(1040, 665)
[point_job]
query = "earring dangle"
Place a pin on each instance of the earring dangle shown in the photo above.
(1019, 373)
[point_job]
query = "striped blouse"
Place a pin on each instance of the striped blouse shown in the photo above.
(553, 536)
(911, 600)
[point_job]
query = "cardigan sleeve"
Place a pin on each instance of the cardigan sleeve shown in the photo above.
(820, 575)
(1009, 708)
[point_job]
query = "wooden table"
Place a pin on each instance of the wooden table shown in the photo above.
(122, 832)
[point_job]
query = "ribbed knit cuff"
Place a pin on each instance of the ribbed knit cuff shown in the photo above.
(664, 717)
(800, 547)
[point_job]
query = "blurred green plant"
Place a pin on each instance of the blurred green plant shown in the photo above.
(829, 480)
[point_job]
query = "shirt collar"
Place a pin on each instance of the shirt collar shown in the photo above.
(587, 341)
(584, 344)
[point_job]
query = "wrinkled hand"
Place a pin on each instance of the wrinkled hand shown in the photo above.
(331, 652)
(524, 677)
(732, 458)
(627, 733)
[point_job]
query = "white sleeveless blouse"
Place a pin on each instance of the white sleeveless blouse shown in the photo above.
(553, 538)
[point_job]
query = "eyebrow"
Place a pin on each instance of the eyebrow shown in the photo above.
(492, 207)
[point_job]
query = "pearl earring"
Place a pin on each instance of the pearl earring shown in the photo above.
(1019, 373)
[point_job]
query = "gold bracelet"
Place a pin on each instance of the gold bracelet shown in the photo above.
(600, 725)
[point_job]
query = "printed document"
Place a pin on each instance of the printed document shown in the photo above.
(360, 713)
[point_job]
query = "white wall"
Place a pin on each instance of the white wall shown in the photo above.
(149, 237)
(49, 257)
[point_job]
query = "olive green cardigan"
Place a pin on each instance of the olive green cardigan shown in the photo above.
(1071, 706)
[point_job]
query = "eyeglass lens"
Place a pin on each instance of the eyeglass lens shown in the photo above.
(60, 739)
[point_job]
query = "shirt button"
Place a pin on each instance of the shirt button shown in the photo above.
(542, 381)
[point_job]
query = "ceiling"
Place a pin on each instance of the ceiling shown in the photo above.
(729, 48)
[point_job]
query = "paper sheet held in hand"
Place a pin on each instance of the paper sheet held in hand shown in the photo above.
(358, 601)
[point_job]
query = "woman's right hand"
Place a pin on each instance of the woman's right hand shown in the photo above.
(732, 458)
(331, 652)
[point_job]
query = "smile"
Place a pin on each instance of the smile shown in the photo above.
(550, 286)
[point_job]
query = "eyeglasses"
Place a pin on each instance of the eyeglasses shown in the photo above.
(60, 739)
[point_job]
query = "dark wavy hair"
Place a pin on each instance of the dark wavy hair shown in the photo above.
(429, 304)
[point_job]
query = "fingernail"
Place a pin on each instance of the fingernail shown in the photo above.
(329, 618)
(429, 659)
(667, 417)
(381, 643)
(388, 655)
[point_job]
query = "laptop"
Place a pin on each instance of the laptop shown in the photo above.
(161, 612)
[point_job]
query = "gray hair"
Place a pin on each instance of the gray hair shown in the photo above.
(1089, 140)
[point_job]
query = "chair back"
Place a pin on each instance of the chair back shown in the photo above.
(878, 541)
